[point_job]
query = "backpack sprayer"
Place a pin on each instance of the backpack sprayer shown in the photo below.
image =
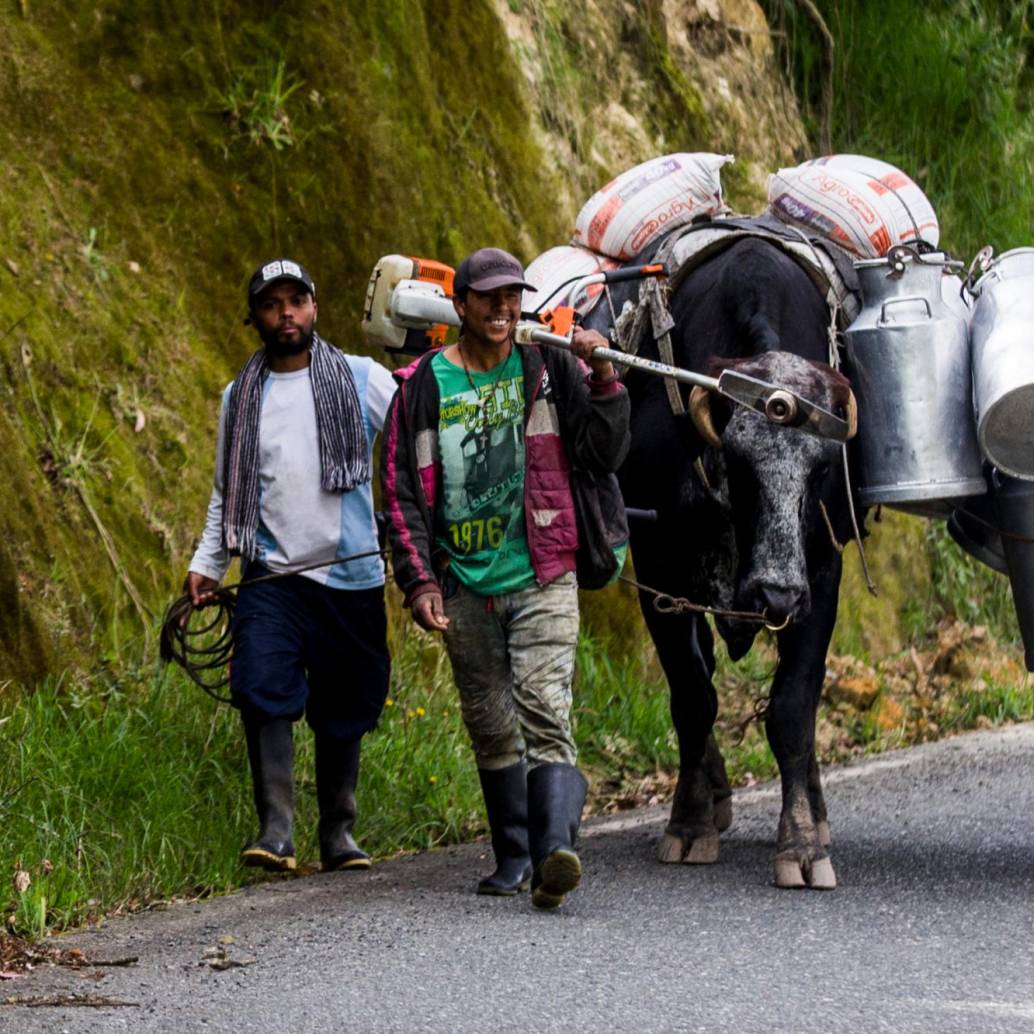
(409, 309)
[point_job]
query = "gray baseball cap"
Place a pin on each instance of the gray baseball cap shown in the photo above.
(489, 268)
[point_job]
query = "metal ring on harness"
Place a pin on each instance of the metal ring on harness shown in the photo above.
(777, 628)
(663, 603)
(781, 407)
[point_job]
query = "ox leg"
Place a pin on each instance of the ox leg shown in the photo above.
(818, 801)
(721, 791)
(702, 796)
(801, 858)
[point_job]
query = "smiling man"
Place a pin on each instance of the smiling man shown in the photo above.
(482, 441)
(292, 490)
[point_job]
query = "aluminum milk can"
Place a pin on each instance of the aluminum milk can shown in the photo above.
(910, 370)
(1003, 362)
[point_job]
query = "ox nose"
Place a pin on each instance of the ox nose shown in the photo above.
(780, 602)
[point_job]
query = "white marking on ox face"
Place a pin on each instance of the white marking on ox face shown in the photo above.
(773, 470)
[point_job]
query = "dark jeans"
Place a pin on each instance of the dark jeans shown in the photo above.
(302, 647)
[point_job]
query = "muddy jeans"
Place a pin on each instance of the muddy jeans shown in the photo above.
(513, 662)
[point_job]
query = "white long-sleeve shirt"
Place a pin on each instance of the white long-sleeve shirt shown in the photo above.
(299, 522)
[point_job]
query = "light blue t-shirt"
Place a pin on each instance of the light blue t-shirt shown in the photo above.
(299, 522)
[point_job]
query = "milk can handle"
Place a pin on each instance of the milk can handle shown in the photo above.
(898, 301)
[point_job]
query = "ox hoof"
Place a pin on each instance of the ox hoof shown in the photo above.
(703, 850)
(670, 849)
(822, 829)
(788, 874)
(723, 814)
(821, 875)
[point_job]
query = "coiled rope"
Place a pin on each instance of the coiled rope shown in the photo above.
(204, 648)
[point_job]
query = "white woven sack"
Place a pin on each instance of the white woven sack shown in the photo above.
(635, 208)
(838, 204)
(552, 268)
(914, 216)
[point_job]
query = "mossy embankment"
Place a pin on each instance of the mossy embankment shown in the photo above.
(151, 157)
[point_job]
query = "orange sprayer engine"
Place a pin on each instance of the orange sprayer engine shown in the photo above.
(408, 306)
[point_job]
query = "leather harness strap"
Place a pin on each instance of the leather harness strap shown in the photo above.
(631, 324)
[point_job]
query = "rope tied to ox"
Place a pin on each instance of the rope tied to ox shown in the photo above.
(205, 647)
(203, 650)
(665, 603)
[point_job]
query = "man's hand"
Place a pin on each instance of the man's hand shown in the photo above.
(429, 612)
(582, 344)
(200, 588)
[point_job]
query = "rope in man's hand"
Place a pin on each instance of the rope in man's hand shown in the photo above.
(204, 648)
(192, 646)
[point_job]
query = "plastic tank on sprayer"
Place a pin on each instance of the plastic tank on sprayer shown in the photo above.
(910, 370)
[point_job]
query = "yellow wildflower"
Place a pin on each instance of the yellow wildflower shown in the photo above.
(420, 712)
(389, 702)
(432, 780)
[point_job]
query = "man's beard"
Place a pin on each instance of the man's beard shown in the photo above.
(276, 347)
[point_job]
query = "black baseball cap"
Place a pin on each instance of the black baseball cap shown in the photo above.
(272, 272)
(487, 269)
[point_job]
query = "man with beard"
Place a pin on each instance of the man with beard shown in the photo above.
(292, 490)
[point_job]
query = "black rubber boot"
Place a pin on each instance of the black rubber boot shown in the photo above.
(337, 772)
(556, 795)
(506, 801)
(271, 756)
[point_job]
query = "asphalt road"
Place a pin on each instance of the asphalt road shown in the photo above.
(931, 929)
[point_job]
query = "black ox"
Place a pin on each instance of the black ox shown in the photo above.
(740, 526)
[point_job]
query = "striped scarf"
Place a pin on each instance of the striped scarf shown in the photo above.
(344, 452)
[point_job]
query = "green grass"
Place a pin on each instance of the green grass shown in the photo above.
(963, 587)
(255, 105)
(134, 787)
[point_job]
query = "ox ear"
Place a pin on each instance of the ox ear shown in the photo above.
(700, 413)
(851, 415)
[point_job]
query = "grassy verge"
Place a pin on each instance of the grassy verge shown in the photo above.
(135, 789)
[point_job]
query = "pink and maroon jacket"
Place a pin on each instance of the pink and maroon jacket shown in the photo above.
(569, 420)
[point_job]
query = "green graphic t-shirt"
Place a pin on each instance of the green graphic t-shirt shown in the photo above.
(480, 521)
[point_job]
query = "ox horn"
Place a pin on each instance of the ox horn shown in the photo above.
(851, 415)
(700, 412)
